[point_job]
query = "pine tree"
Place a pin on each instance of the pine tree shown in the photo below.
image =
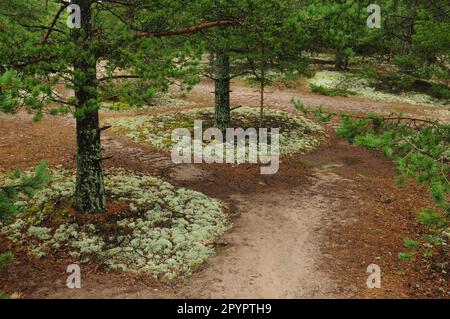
(264, 39)
(128, 35)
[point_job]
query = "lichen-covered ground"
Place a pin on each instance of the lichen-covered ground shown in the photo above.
(297, 134)
(163, 100)
(154, 227)
(362, 86)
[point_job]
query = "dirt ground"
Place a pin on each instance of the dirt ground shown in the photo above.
(281, 97)
(309, 231)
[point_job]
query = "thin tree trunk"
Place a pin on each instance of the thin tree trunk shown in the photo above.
(261, 89)
(222, 116)
(90, 190)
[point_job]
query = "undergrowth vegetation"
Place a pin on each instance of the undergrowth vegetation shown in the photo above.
(390, 87)
(330, 91)
(161, 100)
(5, 259)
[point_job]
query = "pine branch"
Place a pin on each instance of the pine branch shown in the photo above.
(54, 21)
(189, 30)
(444, 159)
(104, 128)
(235, 108)
(114, 77)
(307, 110)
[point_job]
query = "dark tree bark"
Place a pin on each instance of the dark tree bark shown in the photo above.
(90, 191)
(222, 116)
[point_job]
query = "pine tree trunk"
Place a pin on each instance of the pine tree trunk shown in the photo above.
(222, 116)
(261, 91)
(90, 190)
(341, 60)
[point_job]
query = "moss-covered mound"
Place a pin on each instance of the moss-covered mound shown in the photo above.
(163, 100)
(150, 225)
(297, 134)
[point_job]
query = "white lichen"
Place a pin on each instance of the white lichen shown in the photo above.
(297, 134)
(362, 86)
(168, 234)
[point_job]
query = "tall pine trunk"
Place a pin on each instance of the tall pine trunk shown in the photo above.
(222, 116)
(90, 189)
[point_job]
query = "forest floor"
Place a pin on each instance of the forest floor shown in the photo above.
(309, 231)
(280, 96)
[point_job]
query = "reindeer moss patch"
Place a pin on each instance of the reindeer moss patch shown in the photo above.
(335, 80)
(297, 134)
(150, 226)
(162, 100)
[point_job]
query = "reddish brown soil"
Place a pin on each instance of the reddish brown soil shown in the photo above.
(309, 231)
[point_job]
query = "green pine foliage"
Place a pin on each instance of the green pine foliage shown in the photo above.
(429, 217)
(27, 186)
(10, 193)
(422, 153)
(5, 259)
(9, 92)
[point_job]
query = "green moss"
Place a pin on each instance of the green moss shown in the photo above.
(329, 91)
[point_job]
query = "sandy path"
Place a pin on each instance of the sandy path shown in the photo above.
(274, 248)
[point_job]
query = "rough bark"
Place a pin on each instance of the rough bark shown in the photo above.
(90, 191)
(222, 116)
